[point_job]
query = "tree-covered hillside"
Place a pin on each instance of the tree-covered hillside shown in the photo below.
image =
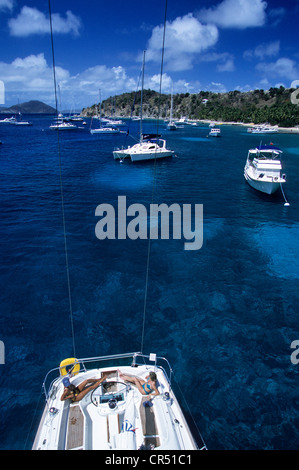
(258, 106)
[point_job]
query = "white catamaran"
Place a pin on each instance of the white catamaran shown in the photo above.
(150, 146)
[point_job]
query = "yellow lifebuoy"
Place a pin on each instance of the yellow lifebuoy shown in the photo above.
(74, 366)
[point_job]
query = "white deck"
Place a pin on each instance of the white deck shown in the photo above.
(92, 424)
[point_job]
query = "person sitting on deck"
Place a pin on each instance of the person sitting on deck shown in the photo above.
(145, 387)
(77, 393)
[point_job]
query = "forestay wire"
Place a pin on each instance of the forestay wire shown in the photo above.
(61, 187)
(154, 181)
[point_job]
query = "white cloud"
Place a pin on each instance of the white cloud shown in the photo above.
(227, 66)
(32, 78)
(238, 14)
(216, 87)
(225, 60)
(283, 67)
(185, 38)
(32, 21)
(6, 5)
(263, 50)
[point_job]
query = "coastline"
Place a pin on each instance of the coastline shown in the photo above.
(281, 130)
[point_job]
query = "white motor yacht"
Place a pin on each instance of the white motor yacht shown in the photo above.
(105, 130)
(215, 132)
(263, 169)
(114, 414)
(263, 129)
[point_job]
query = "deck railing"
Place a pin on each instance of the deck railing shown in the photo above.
(136, 359)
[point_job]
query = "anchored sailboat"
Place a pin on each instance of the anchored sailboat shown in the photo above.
(150, 146)
(171, 126)
(112, 129)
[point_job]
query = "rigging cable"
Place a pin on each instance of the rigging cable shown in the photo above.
(154, 181)
(61, 187)
(286, 203)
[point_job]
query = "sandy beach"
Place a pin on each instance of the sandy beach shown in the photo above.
(282, 130)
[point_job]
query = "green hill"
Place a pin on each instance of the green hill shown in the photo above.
(30, 107)
(257, 106)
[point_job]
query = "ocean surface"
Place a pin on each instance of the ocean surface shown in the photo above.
(224, 316)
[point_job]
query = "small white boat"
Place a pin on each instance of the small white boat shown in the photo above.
(171, 126)
(114, 414)
(105, 130)
(262, 129)
(75, 118)
(11, 120)
(61, 125)
(21, 122)
(215, 132)
(181, 121)
(263, 169)
(115, 122)
(108, 127)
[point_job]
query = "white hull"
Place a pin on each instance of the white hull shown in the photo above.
(63, 127)
(262, 130)
(138, 157)
(215, 132)
(143, 151)
(104, 131)
(113, 416)
(267, 187)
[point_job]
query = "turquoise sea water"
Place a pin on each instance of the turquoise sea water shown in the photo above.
(224, 316)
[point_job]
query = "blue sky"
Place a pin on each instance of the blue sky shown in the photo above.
(215, 45)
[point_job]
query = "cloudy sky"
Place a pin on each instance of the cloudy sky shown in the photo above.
(216, 45)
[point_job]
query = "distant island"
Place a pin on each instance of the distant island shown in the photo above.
(30, 107)
(257, 106)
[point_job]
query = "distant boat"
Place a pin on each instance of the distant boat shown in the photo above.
(263, 169)
(20, 122)
(14, 121)
(182, 120)
(115, 122)
(171, 126)
(263, 129)
(215, 132)
(75, 118)
(103, 130)
(10, 120)
(150, 146)
(61, 125)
